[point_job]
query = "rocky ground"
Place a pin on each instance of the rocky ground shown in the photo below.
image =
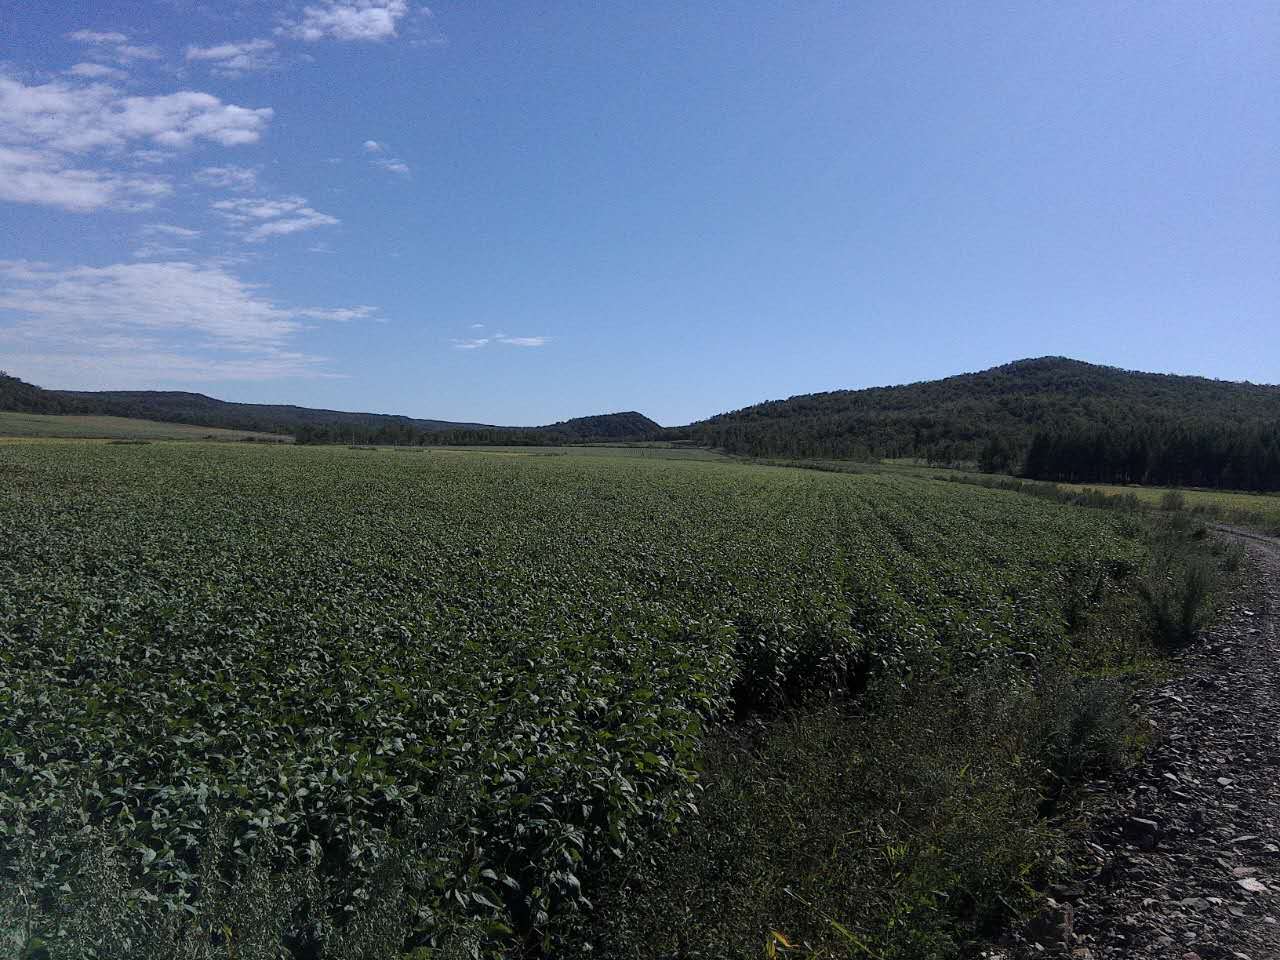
(1186, 860)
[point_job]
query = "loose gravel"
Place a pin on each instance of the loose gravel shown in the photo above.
(1184, 862)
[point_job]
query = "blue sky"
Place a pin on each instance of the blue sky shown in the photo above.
(518, 213)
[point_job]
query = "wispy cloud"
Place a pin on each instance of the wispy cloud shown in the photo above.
(44, 126)
(263, 218)
(235, 59)
(75, 118)
(238, 179)
(348, 20)
(142, 323)
(97, 71)
(476, 343)
(393, 165)
(45, 177)
(159, 249)
(113, 46)
(151, 156)
(94, 36)
(170, 230)
(339, 314)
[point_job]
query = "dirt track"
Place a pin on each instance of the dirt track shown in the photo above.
(1187, 854)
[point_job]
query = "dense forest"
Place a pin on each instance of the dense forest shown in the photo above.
(1050, 418)
(310, 425)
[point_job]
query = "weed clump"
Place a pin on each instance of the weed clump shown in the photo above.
(903, 829)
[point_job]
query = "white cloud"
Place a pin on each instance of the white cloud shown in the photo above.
(113, 46)
(97, 71)
(142, 323)
(393, 165)
(339, 314)
(390, 164)
(77, 119)
(265, 218)
(159, 250)
(92, 36)
(171, 230)
(477, 326)
(44, 177)
(177, 119)
(144, 297)
(151, 156)
(43, 126)
(235, 59)
(475, 343)
(349, 20)
(164, 241)
(239, 179)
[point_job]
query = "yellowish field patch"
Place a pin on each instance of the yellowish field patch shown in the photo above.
(37, 425)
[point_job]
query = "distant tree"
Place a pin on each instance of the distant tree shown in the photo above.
(997, 455)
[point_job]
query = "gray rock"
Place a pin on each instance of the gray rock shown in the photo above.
(1142, 833)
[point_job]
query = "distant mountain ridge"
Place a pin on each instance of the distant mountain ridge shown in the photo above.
(306, 423)
(1049, 417)
(181, 407)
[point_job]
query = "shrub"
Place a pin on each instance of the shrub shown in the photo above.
(1087, 730)
(1177, 602)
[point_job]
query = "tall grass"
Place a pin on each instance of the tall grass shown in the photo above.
(904, 830)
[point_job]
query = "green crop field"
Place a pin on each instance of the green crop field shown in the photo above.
(14, 424)
(649, 451)
(504, 670)
(1261, 510)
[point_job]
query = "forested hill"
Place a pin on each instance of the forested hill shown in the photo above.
(24, 397)
(179, 407)
(609, 426)
(309, 424)
(1049, 418)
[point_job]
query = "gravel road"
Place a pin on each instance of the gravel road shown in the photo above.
(1186, 857)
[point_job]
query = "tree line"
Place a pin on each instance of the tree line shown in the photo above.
(405, 435)
(1182, 455)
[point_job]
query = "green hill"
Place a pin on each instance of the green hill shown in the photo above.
(1050, 418)
(610, 426)
(308, 424)
(197, 408)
